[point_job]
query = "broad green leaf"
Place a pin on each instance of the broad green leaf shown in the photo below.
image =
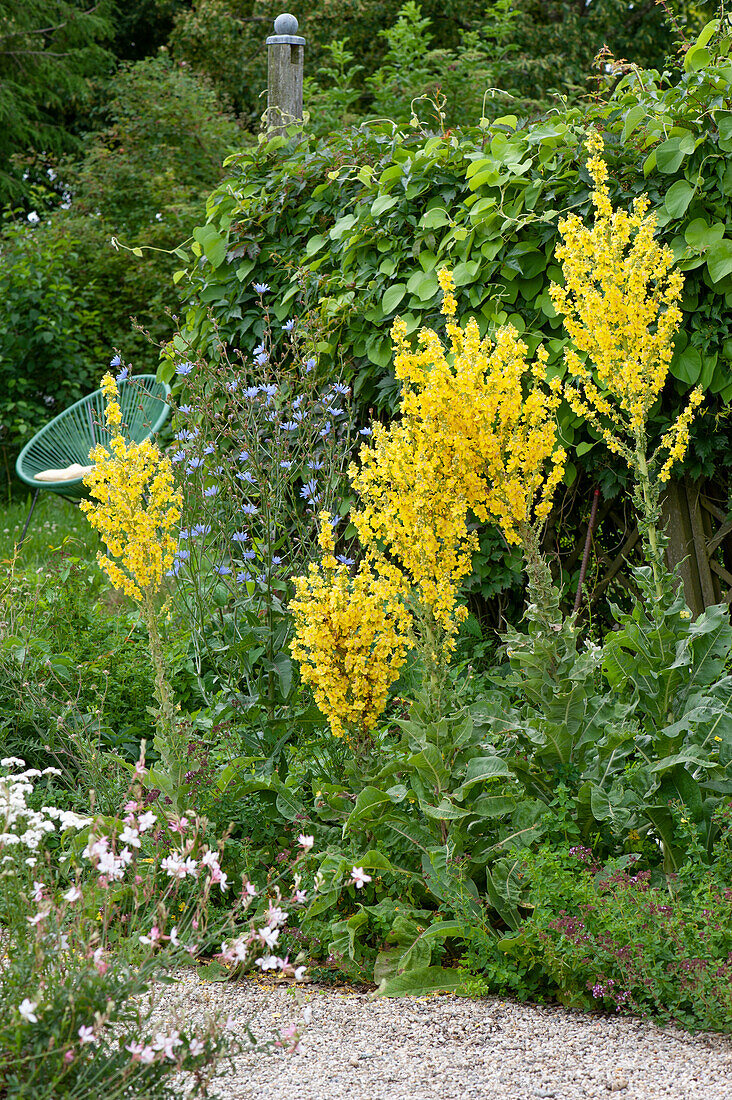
(418, 983)
(369, 805)
(343, 225)
(669, 155)
(700, 235)
(635, 115)
(719, 260)
(434, 218)
(479, 770)
(392, 297)
(687, 366)
(213, 244)
(698, 57)
(678, 197)
(382, 204)
(724, 123)
(314, 244)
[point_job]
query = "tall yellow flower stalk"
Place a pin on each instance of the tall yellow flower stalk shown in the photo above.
(620, 304)
(477, 434)
(352, 635)
(136, 510)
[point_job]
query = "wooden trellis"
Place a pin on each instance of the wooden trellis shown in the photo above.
(698, 524)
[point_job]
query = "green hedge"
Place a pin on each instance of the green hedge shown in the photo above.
(363, 219)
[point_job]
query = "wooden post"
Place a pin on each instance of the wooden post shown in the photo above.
(285, 56)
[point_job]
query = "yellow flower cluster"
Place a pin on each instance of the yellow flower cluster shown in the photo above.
(138, 506)
(352, 635)
(620, 304)
(477, 434)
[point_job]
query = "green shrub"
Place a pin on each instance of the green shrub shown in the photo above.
(363, 219)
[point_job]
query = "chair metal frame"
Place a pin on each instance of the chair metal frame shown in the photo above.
(70, 436)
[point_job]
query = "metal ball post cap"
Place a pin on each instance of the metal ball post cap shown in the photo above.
(286, 27)
(286, 24)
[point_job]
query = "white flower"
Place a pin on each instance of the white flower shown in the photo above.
(269, 936)
(147, 1055)
(276, 916)
(195, 1047)
(271, 962)
(130, 836)
(37, 918)
(210, 859)
(167, 1043)
(358, 877)
(300, 972)
(306, 841)
(86, 1035)
(74, 894)
(37, 892)
(146, 821)
(110, 866)
(27, 1010)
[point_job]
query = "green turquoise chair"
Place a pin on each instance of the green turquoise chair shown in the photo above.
(69, 437)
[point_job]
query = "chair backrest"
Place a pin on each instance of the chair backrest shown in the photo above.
(69, 437)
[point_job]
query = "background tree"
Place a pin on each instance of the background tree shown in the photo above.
(50, 51)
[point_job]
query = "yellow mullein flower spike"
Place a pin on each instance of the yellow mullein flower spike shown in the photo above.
(620, 305)
(138, 506)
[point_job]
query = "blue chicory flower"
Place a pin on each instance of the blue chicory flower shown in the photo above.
(309, 490)
(313, 464)
(179, 456)
(240, 536)
(211, 491)
(339, 387)
(365, 431)
(194, 464)
(209, 449)
(201, 529)
(285, 464)
(183, 368)
(115, 361)
(123, 374)
(261, 288)
(310, 364)
(344, 560)
(288, 325)
(222, 570)
(184, 409)
(250, 509)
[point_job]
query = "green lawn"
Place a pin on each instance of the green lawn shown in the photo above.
(54, 520)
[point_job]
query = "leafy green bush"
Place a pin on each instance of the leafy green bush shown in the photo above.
(52, 339)
(363, 219)
(69, 293)
(609, 935)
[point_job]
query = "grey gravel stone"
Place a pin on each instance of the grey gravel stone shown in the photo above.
(451, 1048)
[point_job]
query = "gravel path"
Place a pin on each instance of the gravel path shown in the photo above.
(451, 1048)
